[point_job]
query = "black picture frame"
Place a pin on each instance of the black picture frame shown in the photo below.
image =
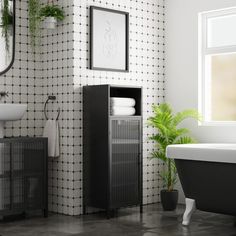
(93, 65)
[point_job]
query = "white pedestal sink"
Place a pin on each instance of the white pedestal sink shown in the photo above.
(10, 112)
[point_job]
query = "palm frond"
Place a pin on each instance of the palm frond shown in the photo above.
(180, 116)
(168, 133)
(185, 140)
(160, 155)
(163, 118)
(182, 131)
(161, 141)
(165, 108)
(165, 177)
(157, 123)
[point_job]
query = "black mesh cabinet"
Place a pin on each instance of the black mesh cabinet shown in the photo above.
(112, 150)
(23, 176)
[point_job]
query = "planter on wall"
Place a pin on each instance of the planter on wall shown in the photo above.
(50, 22)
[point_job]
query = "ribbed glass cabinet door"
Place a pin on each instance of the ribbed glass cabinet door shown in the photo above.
(17, 170)
(125, 161)
(5, 176)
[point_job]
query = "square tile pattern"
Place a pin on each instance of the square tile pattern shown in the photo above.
(61, 67)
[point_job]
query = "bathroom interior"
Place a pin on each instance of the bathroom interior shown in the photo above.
(117, 117)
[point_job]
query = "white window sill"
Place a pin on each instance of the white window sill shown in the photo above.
(217, 123)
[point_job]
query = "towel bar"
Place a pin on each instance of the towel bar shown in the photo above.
(52, 98)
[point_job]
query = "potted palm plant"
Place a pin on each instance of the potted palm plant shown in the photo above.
(51, 14)
(169, 132)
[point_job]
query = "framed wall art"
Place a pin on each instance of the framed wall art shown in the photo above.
(109, 44)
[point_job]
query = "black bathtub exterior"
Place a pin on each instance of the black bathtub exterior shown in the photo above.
(210, 184)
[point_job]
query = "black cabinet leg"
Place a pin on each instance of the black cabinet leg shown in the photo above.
(108, 214)
(84, 210)
(141, 209)
(45, 213)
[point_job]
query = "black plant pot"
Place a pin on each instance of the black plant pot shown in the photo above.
(169, 199)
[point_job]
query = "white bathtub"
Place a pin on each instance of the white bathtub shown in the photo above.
(213, 152)
(207, 173)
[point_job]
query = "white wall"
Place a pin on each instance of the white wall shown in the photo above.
(182, 62)
(24, 80)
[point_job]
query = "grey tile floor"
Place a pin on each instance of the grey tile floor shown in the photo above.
(127, 222)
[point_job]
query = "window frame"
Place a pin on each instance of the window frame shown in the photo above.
(204, 82)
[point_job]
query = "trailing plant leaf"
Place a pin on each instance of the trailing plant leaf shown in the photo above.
(34, 23)
(52, 11)
(6, 22)
(36, 15)
(168, 133)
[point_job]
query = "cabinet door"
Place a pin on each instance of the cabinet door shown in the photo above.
(35, 171)
(5, 176)
(17, 182)
(125, 162)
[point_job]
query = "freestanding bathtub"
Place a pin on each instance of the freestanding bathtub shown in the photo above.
(207, 173)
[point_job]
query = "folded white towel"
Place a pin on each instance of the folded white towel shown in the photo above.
(122, 102)
(51, 131)
(122, 111)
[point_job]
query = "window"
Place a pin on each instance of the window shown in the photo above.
(217, 66)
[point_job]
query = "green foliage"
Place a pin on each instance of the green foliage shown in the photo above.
(36, 15)
(169, 133)
(34, 23)
(53, 11)
(6, 22)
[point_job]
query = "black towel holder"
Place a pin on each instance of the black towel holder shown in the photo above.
(51, 98)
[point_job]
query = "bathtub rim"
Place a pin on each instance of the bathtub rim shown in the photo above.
(208, 152)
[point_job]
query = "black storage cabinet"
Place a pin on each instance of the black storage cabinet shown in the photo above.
(23, 176)
(112, 164)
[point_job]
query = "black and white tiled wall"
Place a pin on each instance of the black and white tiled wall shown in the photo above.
(24, 80)
(61, 68)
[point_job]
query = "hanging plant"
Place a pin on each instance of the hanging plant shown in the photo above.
(51, 14)
(34, 23)
(6, 22)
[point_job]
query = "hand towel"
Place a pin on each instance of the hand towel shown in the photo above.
(122, 102)
(51, 131)
(122, 111)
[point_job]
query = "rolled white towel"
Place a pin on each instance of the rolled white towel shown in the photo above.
(122, 102)
(122, 111)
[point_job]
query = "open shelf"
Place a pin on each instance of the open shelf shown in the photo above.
(129, 92)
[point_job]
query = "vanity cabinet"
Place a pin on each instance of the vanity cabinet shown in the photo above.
(23, 175)
(112, 150)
